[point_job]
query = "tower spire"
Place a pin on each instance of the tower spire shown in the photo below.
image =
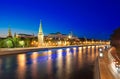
(40, 27)
(9, 32)
(40, 35)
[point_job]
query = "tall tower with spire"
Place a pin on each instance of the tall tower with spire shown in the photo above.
(40, 35)
(9, 32)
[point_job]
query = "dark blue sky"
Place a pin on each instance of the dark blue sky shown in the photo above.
(89, 18)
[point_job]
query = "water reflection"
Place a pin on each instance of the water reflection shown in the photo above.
(21, 70)
(64, 63)
(49, 53)
(59, 63)
(68, 63)
(34, 56)
(49, 64)
(67, 49)
(92, 53)
(80, 60)
(0, 66)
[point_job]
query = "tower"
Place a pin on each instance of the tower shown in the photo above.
(9, 32)
(70, 35)
(40, 35)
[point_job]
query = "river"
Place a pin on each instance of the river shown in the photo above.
(61, 63)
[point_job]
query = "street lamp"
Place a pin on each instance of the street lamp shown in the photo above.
(100, 52)
(34, 43)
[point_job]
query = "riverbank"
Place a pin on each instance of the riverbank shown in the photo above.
(7, 51)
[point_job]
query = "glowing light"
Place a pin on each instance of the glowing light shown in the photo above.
(34, 55)
(59, 50)
(88, 46)
(59, 42)
(74, 48)
(84, 47)
(34, 43)
(93, 46)
(68, 49)
(21, 59)
(96, 46)
(80, 48)
(100, 49)
(101, 54)
(21, 70)
(69, 36)
(49, 52)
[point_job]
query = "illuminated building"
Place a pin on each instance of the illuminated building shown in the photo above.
(21, 35)
(60, 39)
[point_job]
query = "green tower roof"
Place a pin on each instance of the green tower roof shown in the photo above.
(40, 27)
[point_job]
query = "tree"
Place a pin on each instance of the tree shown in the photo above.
(21, 43)
(9, 43)
(16, 41)
(115, 38)
(27, 42)
(1, 43)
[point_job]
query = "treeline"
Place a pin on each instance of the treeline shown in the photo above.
(115, 38)
(15, 42)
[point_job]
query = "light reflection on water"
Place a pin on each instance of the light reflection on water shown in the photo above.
(34, 64)
(21, 70)
(80, 61)
(59, 63)
(64, 63)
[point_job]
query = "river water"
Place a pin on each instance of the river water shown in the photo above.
(62, 63)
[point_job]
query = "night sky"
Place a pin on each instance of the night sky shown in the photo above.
(85, 18)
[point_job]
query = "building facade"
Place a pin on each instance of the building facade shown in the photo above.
(21, 35)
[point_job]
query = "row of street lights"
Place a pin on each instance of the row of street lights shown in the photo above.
(66, 43)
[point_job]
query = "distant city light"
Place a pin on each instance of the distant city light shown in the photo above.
(69, 36)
